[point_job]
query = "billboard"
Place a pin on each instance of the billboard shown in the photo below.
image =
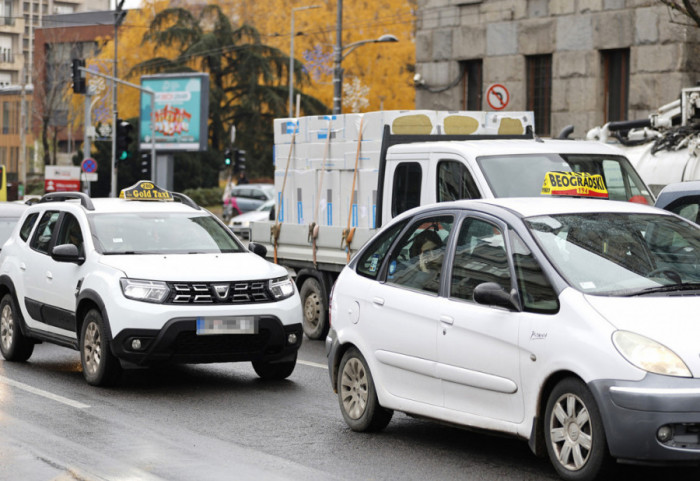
(181, 112)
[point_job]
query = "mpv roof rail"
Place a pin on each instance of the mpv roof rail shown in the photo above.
(85, 200)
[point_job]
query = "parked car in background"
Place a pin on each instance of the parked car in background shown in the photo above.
(569, 323)
(682, 198)
(10, 212)
(245, 198)
(240, 224)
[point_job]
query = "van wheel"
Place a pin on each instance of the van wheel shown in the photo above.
(13, 344)
(315, 322)
(574, 432)
(100, 366)
(275, 371)
(357, 396)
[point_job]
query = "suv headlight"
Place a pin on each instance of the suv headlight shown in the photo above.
(147, 291)
(281, 288)
(649, 355)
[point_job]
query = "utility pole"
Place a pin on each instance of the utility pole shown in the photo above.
(118, 17)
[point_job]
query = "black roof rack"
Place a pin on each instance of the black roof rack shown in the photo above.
(185, 200)
(85, 200)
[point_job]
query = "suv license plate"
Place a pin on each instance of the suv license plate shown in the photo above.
(226, 325)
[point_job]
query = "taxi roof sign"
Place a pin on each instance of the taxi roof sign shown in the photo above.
(579, 184)
(145, 190)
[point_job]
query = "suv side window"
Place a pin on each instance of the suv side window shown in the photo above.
(70, 232)
(44, 231)
(369, 264)
(26, 228)
(454, 182)
(480, 257)
(416, 261)
(406, 190)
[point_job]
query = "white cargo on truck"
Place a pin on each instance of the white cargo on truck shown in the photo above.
(338, 178)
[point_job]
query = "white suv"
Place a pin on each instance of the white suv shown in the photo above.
(143, 283)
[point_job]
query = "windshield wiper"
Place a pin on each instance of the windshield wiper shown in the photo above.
(684, 286)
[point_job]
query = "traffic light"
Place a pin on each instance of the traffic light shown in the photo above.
(124, 139)
(79, 86)
(240, 161)
(145, 170)
(227, 158)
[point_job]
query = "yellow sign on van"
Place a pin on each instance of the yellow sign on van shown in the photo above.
(145, 190)
(580, 184)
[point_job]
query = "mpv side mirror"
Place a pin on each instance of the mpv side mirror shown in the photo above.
(67, 253)
(491, 294)
(258, 249)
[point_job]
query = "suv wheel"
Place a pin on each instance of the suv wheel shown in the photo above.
(13, 344)
(275, 370)
(357, 396)
(100, 367)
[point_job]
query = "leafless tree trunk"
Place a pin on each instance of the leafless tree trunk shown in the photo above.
(687, 8)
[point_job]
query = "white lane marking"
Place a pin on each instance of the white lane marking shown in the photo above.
(313, 364)
(46, 394)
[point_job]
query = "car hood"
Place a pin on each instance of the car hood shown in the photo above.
(195, 267)
(670, 320)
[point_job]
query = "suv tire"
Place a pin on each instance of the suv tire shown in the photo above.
(357, 396)
(13, 344)
(100, 366)
(275, 370)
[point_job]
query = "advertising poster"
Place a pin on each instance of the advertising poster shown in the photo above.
(181, 111)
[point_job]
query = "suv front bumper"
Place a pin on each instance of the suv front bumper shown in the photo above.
(634, 413)
(178, 342)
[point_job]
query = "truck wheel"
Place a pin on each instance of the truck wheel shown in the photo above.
(275, 370)
(574, 432)
(315, 322)
(100, 366)
(13, 344)
(357, 396)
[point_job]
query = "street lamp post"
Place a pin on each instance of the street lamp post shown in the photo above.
(291, 57)
(340, 56)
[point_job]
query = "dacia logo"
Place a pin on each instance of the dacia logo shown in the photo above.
(221, 291)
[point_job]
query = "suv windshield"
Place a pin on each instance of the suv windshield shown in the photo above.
(160, 233)
(522, 175)
(619, 253)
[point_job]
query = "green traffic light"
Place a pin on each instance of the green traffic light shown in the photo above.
(228, 161)
(124, 155)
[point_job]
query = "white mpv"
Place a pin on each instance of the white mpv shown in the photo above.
(569, 323)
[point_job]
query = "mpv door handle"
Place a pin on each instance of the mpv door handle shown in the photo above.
(23, 266)
(447, 320)
(378, 301)
(49, 275)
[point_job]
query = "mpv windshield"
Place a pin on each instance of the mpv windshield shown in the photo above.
(621, 254)
(160, 233)
(523, 175)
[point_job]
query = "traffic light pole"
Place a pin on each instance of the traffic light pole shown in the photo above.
(153, 127)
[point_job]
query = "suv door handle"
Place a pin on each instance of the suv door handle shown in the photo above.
(378, 301)
(49, 275)
(447, 320)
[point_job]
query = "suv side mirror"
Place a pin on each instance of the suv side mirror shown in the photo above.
(67, 253)
(258, 249)
(491, 294)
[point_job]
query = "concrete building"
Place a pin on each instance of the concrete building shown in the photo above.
(579, 62)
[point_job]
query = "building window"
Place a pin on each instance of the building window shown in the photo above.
(539, 91)
(472, 85)
(616, 68)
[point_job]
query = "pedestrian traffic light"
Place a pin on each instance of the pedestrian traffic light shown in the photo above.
(79, 86)
(240, 161)
(145, 168)
(227, 158)
(124, 139)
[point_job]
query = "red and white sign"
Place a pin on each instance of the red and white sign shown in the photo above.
(59, 178)
(497, 96)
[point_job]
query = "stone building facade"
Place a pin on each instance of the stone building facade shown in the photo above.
(574, 62)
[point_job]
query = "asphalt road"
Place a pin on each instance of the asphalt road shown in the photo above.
(221, 422)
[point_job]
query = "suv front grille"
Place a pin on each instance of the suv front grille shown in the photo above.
(240, 292)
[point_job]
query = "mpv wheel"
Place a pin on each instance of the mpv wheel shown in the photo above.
(357, 396)
(13, 344)
(574, 432)
(100, 367)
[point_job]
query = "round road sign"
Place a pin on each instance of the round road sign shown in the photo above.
(497, 96)
(89, 166)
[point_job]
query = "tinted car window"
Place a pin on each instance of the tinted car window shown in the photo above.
(535, 290)
(454, 182)
(407, 183)
(26, 228)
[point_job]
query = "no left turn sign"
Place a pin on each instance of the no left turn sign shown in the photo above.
(497, 96)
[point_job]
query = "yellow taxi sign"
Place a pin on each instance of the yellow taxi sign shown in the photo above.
(580, 184)
(145, 190)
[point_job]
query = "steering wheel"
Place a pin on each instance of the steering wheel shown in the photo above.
(666, 272)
